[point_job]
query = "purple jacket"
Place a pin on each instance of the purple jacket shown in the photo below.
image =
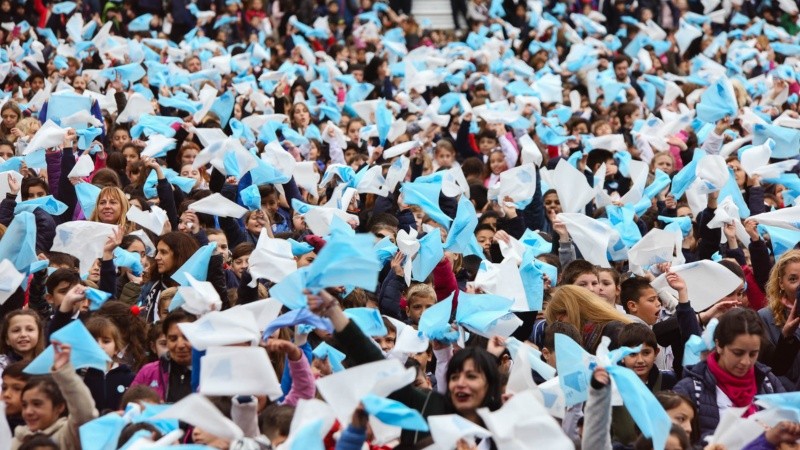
(154, 376)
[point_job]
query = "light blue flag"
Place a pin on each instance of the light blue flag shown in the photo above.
(462, 233)
(334, 356)
(623, 160)
(18, 244)
(85, 350)
(151, 410)
(429, 255)
(649, 94)
(787, 401)
(266, 173)
(660, 182)
(242, 131)
(392, 412)
(102, 433)
(150, 124)
(717, 102)
(369, 320)
(96, 298)
(300, 248)
(574, 374)
(36, 159)
(684, 178)
(223, 107)
(782, 240)
(622, 219)
(519, 88)
(435, 322)
(731, 189)
(251, 198)
(48, 34)
(383, 119)
(150, 183)
(345, 261)
(385, 250)
(532, 272)
(682, 224)
(647, 412)
(180, 102)
(696, 345)
(297, 317)
(613, 91)
(141, 23)
(426, 196)
(309, 437)
(87, 136)
(552, 136)
(534, 358)
(787, 140)
(48, 203)
(481, 312)
(130, 73)
(130, 260)
(534, 241)
(64, 7)
(197, 265)
(14, 163)
(67, 104)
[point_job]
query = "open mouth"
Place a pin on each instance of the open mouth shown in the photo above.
(461, 397)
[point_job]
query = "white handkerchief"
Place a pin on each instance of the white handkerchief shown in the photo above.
(702, 294)
(611, 142)
(272, 259)
(199, 297)
(80, 119)
(83, 167)
(788, 218)
(217, 205)
(529, 151)
(4, 187)
(400, 149)
(137, 106)
(655, 247)
(198, 411)
(591, 236)
(10, 281)
(156, 144)
(734, 432)
(448, 429)
(71, 238)
(207, 96)
(523, 422)
(49, 135)
(238, 371)
(573, 190)
(218, 328)
(153, 220)
(307, 177)
(408, 244)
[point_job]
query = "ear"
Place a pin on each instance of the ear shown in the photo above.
(48, 298)
(657, 350)
(632, 306)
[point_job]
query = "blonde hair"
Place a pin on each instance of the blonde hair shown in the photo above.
(25, 124)
(580, 306)
(114, 192)
(774, 291)
(418, 291)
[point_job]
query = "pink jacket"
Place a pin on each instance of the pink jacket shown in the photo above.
(153, 375)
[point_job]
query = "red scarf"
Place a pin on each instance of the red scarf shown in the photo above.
(741, 390)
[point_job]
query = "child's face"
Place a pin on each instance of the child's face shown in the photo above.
(673, 443)
(552, 203)
(108, 345)
(159, 347)
(611, 167)
(682, 415)
(608, 289)
(641, 362)
(57, 296)
(386, 343)
(485, 239)
(497, 163)
(588, 281)
(12, 395)
(270, 204)
(486, 145)
(444, 158)
(665, 163)
(417, 306)
(647, 307)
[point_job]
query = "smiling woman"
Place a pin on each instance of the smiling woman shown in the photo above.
(112, 207)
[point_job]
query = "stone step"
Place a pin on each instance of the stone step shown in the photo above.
(437, 11)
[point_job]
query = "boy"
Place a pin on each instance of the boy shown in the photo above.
(623, 429)
(640, 301)
(419, 298)
(14, 380)
(573, 414)
(581, 273)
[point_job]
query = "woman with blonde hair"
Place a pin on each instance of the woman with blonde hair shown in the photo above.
(587, 312)
(111, 207)
(782, 317)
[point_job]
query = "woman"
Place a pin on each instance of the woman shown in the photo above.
(473, 378)
(9, 116)
(781, 317)
(173, 249)
(731, 375)
(591, 315)
(111, 208)
(56, 407)
(171, 375)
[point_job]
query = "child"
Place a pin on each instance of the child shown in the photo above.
(107, 388)
(574, 414)
(419, 298)
(610, 286)
(640, 301)
(14, 380)
(444, 154)
(677, 440)
(386, 343)
(581, 273)
(623, 428)
(682, 411)
(275, 421)
(22, 337)
(497, 165)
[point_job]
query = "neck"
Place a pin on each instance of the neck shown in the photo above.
(473, 417)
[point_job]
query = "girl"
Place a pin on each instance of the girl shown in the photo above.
(119, 137)
(173, 249)
(171, 375)
(731, 375)
(132, 153)
(56, 406)
(609, 286)
(588, 313)
(131, 348)
(473, 378)
(107, 387)
(682, 412)
(190, 172)
(497, 165)
(23, 337)
(9, 116)
(187, 153)
(664, 161)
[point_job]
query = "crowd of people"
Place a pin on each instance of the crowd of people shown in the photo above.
(252, 224)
